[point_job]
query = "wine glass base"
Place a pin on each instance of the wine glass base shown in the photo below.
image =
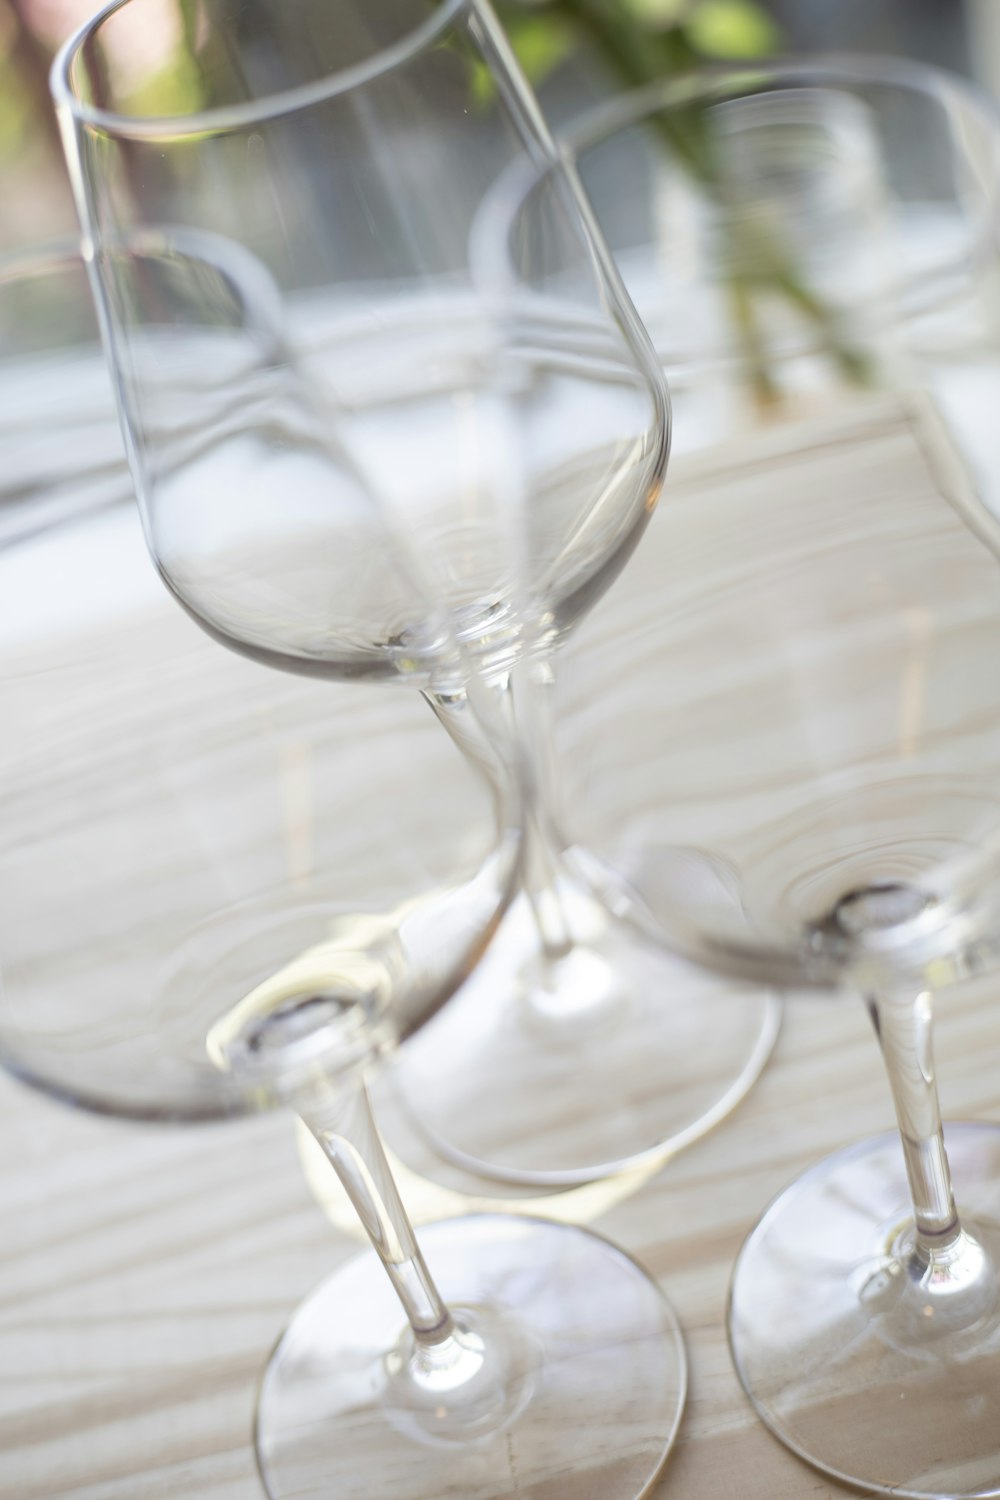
(503, 1082)
(858, 1364)
(581, 1392)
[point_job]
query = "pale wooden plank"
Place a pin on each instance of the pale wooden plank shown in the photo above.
(146, 1271)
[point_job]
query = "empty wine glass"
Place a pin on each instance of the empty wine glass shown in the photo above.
(191, 844)
(165, 803)
(290, 429)
(815, 698)
(518, 486)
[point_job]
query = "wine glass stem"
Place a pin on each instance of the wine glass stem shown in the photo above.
(527, 726)
(528, 713)
(903, 1025)
(343, 1124)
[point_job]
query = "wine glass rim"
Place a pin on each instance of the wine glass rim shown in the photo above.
(599, 123)
(811, 69)
(809, 72)
(230, 117)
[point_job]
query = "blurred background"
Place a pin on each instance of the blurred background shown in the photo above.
(574, 51)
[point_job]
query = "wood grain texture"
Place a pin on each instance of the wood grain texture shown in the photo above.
(145, 1271)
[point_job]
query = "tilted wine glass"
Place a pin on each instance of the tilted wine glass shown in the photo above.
(359, 192)
(268, 411)
(170, 810)
(815, 696)
(191, 843)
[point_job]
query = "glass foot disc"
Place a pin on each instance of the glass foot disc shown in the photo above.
(503, 1081)
(599, 1388)
(846, 1358)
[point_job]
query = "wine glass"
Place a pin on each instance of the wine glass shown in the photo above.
(814, 693)
(196, 845)
(164, 802)
(287, 435)
(174, 835)
(349, 155)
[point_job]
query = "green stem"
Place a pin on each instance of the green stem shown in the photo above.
(639, 57)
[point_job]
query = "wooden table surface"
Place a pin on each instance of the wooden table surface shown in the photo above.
(146, 1270)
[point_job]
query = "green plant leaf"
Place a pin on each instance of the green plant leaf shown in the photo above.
(731, 28)
(540, 42)
(657, 13)
(176, 88)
